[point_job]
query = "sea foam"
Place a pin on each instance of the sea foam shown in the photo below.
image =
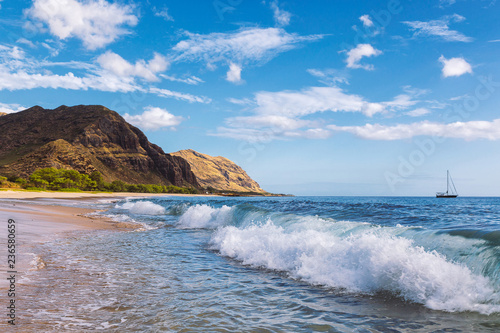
(203, 216)
(142, 208)
(355, 257)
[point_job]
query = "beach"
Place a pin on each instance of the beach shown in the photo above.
(39, 222)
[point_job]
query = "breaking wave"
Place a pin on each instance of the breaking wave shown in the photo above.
(142, 208)
(443, 271)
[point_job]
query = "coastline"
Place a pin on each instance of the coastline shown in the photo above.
(16, 194)
(36, 224)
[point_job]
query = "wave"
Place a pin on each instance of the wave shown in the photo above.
(356, 257)
(203, 216)
(142, 208)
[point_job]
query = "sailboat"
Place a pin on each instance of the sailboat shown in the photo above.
(451, 191)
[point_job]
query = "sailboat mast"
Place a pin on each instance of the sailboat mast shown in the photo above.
(447, 181)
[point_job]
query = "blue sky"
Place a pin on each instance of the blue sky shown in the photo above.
(313, 98)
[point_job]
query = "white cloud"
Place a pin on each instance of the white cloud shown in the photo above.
(455, 66)
(180, 96)
(243, 101)
(418, 112)
(96, 22)
(312, 100)
(120, 67)
(192, 80)
(281, 17)
(355, 55)
(11, 108)
(245, 46)
(367, 22)
(20, 72)
(444, 3)
(241, 47)
(154, 118)
(281, 115)
(263, 121)
(234, 73)
(459, 98)
(21, 80)
(471, 130)
(439, 28)
(164, 13)
(330, 77)
(400, 102)
(25, 41)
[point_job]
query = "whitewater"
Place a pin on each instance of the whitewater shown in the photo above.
(338, 264)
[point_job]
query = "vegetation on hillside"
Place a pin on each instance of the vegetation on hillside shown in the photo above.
(71, 180)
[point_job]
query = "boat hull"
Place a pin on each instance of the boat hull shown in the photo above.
(446, 195)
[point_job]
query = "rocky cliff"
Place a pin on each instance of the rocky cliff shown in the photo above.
(219, 172)
(86, 138)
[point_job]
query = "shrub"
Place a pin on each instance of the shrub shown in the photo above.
(72, 180)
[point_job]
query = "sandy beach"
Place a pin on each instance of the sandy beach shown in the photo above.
(38, 223)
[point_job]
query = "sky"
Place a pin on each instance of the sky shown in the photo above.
(337, 97)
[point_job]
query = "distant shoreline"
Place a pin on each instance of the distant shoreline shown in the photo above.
(17, 194)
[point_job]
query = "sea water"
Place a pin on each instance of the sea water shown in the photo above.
(286, 264)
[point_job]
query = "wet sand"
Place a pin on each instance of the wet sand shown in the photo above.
(39, 223)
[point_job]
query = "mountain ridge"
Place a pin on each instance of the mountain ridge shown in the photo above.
(86, 138)
(219, 172)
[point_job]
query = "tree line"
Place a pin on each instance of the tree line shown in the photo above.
(72, 180)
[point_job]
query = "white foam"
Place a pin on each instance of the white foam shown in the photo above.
(365, 260)
(142, 208)
(203, 216)
(37, 262)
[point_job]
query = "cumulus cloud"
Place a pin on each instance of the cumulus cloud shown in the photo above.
(284, 114)
(234, 73)
(154, 118)
(96, 23)
(439, 28)
(11, 108)
(355, 55)
(313, 100)
(455, 66)
(281, 17)
(471, 130)
(21, 72)
(147, 70)
(367, 22)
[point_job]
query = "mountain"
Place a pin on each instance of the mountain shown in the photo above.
(219, 172)
(86, 138)
(2, 114)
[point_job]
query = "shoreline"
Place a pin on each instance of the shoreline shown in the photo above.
(19, 194)
(37, 223)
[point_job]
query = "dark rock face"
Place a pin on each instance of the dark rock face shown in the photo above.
(86, 138)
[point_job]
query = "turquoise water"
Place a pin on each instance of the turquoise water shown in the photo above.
(301, 264)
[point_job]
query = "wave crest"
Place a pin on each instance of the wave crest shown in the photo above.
(142, 208)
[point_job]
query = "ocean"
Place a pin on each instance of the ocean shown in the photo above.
(277, 264)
